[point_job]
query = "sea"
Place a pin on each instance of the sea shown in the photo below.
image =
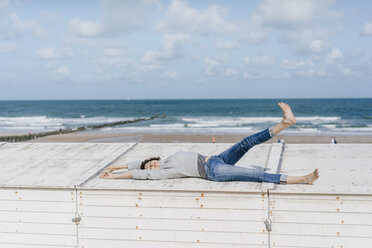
(222, 116)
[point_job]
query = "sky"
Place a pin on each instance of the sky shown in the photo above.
(154, 49)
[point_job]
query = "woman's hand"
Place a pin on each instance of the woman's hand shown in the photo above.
(106, 175)
(110, 169)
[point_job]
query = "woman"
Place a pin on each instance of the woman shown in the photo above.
(215, 168)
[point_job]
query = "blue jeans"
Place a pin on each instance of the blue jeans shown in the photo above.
(222, 167)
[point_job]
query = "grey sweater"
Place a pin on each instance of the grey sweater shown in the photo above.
(180, 164)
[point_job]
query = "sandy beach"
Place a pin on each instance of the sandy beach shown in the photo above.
(120, 137)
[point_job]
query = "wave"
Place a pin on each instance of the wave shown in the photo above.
(43, 123)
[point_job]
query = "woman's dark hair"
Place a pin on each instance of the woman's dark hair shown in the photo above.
(148, 160)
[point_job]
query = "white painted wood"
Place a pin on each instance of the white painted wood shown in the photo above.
(24, 239)
(36, 195)
(121, 243)
(256, 157)
(344, 168)
(176, 224)
(36, 211)
(272, 163)
(318, 241)
(169, 217)
(53, 165)
(176, 213)
(4, 245)
(37, 217)
(335, 211)
(175, 236)
(172, 201)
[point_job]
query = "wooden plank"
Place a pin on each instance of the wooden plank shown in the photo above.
(174, 224)
(317, 241)
(36, 217)
(173, 202)
(330, 230)
(37, 206)
(173, 213)
(321, 217)
(165, 193)
(122, 243)
(38, 228)
(175, 236)
(321, 206)
(37, 239)
(9, 245)
(38, 195)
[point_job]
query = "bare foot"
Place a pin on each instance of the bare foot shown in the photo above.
(309, 179)
(288, 117)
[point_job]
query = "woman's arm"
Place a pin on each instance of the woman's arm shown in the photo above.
(116, 167)
(108, 175)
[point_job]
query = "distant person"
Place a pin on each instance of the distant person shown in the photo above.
(219, 168)
(333, 140)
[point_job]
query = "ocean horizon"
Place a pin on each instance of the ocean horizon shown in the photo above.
(315, 116)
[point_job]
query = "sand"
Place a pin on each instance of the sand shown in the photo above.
(116, 137)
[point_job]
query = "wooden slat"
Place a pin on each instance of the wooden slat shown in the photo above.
(37, 206)
(36, 195)
(175, 236)
(37, 239)
(174, 224)
(112, 243)
(38, 228)
(317, 241)
(175, 213)
(36, 217)
(173, 202)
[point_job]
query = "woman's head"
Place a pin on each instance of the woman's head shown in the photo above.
(151, 163)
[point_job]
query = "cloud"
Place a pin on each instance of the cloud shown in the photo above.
(260, 61)
(47, 53)
(228, 45)
(119, 18)
(302, 25)
(231, 72)
(4, 4)
(367, 28)
(297, 65)
(316, 46)
(62, 72)
(85, 28)
(182, 18)
(287, 14)
(14, 26)
(111, 52)
(211, 66)
(170, 75)
(333, 56)
(171, 49)
(50, 53)
(7, 47)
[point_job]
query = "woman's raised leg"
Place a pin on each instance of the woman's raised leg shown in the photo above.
(236, 152)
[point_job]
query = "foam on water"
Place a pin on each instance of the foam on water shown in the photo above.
(44, 123)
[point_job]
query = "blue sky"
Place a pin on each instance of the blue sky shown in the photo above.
(150, 49)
